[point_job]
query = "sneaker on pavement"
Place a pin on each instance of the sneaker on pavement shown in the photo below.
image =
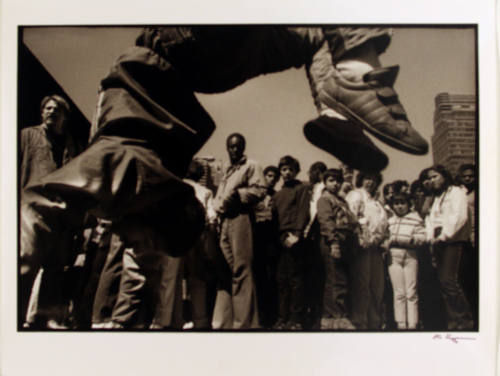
(374, 104)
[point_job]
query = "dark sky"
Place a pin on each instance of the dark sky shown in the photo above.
(271, 110)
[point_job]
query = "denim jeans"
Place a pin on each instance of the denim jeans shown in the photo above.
(367, 275)
(458, 312)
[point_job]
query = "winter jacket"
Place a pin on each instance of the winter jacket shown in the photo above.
(407, 231)
(335, 219)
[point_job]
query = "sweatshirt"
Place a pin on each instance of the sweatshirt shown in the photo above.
(291, 207)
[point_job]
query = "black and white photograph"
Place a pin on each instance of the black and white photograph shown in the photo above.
(112, 234)
(206, 184)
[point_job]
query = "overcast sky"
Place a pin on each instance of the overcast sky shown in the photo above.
(271, 110)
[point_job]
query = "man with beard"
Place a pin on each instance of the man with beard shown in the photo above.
(44, 149)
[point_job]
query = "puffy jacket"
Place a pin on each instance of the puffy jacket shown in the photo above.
(407, 231)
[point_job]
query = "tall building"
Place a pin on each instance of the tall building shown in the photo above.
(454, 138)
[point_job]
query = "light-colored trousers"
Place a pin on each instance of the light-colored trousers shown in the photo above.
(403, 268)
(237, 308)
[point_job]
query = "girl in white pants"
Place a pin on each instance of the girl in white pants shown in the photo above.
(407, 234)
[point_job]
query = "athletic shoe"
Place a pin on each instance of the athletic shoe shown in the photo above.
(374, 105)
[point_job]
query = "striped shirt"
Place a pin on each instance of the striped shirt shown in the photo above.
(407, 231)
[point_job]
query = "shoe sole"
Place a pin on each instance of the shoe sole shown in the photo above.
(361, 157)
(346, 111)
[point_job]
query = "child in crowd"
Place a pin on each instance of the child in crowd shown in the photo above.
(338, 226)
(197, 266)
(291, 208)
(313, 282)
(367, 272)
(265, 252)
(388, 192)
(407, 234)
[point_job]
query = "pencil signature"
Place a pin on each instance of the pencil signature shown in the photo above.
(452, 338)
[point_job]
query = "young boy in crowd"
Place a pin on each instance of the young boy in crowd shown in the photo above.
(291, 208)
(197, 264)
(338, 226)
(313, 282)
(407, 234)
(265, 250)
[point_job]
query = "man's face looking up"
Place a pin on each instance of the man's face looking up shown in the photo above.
(53, 116)
(235, 149)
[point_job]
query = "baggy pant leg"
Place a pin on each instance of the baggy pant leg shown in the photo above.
(237, 247)
(243, 288)
(457, 307)
(132, 291)
(214, 59)
(361, 298)
(168, 308)
(223, 309)
(108, 285)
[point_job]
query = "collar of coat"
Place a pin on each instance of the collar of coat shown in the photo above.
(233, 167)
